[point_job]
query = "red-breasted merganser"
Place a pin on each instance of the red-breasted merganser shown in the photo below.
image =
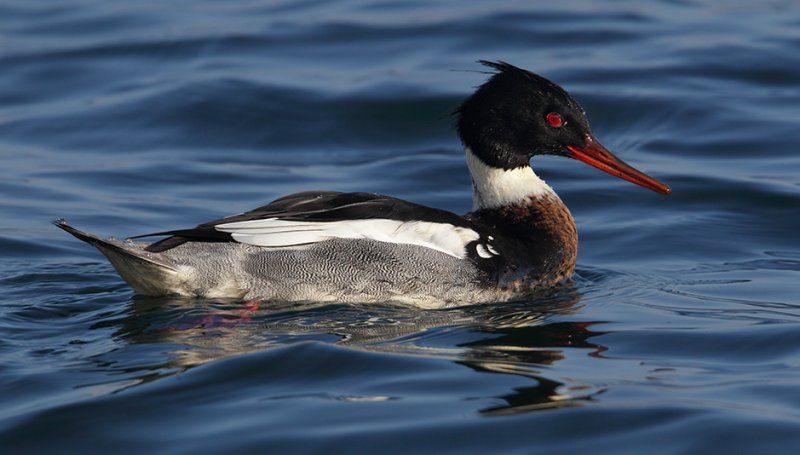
(364, 247)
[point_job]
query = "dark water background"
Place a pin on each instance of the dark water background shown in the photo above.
(681, 332)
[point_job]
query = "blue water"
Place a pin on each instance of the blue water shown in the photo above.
(680, 332)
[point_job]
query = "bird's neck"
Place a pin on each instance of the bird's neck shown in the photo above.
(494, 187)
(537, 229)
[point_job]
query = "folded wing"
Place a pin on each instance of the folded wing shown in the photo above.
(316, 216)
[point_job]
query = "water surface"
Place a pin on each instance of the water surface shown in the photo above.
(680, 332)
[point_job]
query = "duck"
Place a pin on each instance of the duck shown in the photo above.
(358, 247)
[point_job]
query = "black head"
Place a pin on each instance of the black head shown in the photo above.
(517, 114)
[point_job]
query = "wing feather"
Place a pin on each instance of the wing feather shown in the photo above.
(315, 216)
(274, 232)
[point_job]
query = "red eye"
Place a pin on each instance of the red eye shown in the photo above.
(555, 120)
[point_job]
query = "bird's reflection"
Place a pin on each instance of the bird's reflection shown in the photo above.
(520, 338)
(521, 350)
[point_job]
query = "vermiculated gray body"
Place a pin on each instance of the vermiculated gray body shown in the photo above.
(341, 270)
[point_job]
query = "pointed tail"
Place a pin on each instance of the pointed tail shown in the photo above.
(147, 273)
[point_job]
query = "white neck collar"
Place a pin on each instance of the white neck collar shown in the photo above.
(494, 187)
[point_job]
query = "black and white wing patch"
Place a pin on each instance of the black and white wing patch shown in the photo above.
(313, 217)
(276, 233)
(485, 248)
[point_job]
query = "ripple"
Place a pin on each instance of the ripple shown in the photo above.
(130, 118)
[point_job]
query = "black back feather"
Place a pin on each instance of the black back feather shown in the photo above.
(312, 206)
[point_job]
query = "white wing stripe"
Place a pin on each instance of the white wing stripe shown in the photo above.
(273, 232)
